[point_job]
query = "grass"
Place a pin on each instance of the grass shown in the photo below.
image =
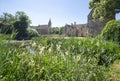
(56, 59)
(115, 71)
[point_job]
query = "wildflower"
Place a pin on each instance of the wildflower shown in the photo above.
(58, 47)
(78, 57)
(31, 63)
(49, 50)
(11, 62)
(97, 43)
(66, 53)
(41, 50)
(34, 44)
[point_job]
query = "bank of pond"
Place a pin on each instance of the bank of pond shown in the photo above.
(59, 59)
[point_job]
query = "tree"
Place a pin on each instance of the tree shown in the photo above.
(21, 16)
(17, 23)
(7, 21)
(21, 25)
(105, 9)
(57, 30)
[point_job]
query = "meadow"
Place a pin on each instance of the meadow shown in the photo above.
(59, 59)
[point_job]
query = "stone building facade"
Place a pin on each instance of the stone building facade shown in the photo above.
(79, 30)
(94, 27)
(43, 29)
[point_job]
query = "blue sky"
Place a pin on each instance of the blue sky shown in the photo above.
(60, 12)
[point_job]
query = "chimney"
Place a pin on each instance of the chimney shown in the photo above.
(74, 23)
(71, 24)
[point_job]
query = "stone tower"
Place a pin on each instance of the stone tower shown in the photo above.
(49, 23)
(49, 26)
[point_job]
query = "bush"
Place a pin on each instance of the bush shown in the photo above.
(32, 33)
(112, 31)
(5, 37)
(6, 29)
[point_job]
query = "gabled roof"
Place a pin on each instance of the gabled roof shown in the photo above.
(43, 26)
(90, 14)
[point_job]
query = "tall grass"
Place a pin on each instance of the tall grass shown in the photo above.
(57, 60)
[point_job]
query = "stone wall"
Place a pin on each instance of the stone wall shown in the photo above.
(94, 27)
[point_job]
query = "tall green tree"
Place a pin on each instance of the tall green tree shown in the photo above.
(20, 15)
(104, 9)
(21, 25)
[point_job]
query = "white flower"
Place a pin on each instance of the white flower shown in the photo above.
(41, 50)
(97, 43)
(49, 50)
(78, 57)
(66, 53)
(58, 47)
(34, 44)
(31, 63)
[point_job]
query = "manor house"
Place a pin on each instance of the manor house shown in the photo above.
(43, 29)
(92, 27)
(75, 30)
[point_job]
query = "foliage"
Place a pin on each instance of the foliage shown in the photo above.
(112, 31)
(32, 33)
(57, 30)
(50, 59)
(21, 29)
(15, 24)
(21, 16)
(105, 52)
(115, 71)
(21, 25)
(105, 9)
(5, 37)
(7, 21)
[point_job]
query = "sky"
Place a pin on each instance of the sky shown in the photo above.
(60, 12)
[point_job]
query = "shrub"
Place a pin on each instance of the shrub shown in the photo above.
(6, 29)
(32, 33)
(5, 37)
(112, 31)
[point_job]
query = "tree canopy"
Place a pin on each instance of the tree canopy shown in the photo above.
(17, 23)
(7, 20)
(104, 9)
